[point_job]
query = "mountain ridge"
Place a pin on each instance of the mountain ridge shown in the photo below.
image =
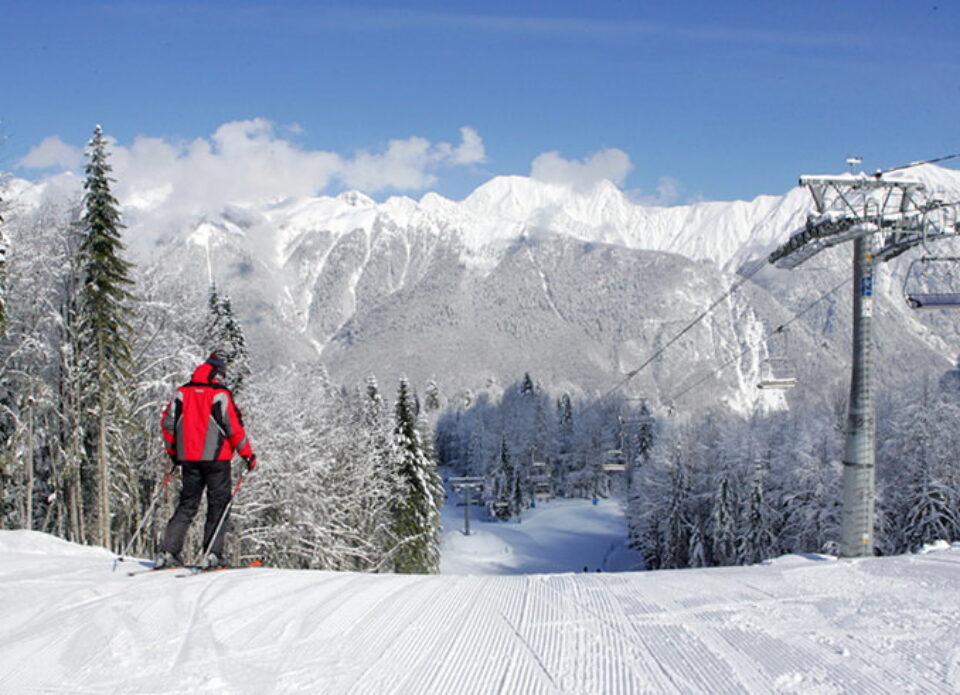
(527, 276)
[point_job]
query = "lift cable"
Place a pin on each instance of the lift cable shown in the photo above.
(779, 329)
(758, 266)
(944, 158)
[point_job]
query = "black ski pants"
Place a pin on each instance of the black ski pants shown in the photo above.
(215, 477)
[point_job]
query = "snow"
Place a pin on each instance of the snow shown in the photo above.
(560, 535)
(809, 624)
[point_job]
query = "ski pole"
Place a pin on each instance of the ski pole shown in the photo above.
(223, 518)
(143, 522)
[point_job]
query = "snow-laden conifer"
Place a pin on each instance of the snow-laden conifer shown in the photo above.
(104, 314)
(564, 459)
(757, 537)
(3, 273)
(223, 334)
(319, 498)
(416, 523)
(723, 516)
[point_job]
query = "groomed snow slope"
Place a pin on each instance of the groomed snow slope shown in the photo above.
(562, 535)
(797, 624)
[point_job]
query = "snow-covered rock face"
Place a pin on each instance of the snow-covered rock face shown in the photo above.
(508, 208)
(576, 287)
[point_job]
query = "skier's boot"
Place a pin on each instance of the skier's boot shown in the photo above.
(167, 560)
(212, 562)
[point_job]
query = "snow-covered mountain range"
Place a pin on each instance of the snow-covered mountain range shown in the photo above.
(577, 288)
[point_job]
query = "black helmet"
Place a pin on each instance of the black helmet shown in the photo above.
(218, 363)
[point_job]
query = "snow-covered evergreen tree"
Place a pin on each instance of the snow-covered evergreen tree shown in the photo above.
(416, 523)
(502, 483)
(756, 540)
(3, 274)
(104, 315)
(376, 426)
(675, 526)
(723, 516)
(932, 515)
(223, 334)
(697, 551)
(920, 502)
(644, 440)
(564, 460)
(476, 451)
(322, 500)
(432, 398)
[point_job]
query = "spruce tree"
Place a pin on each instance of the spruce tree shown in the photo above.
(932, 516)
(3, 275)
(420, 494)
(376, 422)
(757, 538)
(723, 512)
(475, 455)
(526, 386)
(675, 526)
(104, 313)
(504, 476)
(645, 434)
(237, 355)
(432, 398)
(565, 445)
(213, 332)
(223, 334)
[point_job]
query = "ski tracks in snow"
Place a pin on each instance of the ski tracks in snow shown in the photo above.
(876, 626)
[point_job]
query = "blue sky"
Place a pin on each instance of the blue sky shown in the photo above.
(674, 101)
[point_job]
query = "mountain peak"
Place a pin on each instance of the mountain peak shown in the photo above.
(356, 199)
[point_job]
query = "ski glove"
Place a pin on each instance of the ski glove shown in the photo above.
(251, 461)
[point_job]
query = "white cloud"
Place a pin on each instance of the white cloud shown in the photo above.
(668, 189)
(406, 164)
(667, 192)
(610, 164)
(471, 149)
(249, 161)
(52, 152)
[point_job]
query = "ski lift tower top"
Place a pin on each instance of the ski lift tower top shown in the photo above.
(883, 217)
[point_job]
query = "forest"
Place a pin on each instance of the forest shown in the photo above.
(714, 490)
(93, 346)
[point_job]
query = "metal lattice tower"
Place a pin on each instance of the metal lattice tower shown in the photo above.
(883, 218)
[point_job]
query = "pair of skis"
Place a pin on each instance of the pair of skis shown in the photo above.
(192, 570)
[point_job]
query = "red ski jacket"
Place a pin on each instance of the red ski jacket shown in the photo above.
(202, 423)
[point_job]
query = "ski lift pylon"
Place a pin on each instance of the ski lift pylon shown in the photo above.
(919, 277)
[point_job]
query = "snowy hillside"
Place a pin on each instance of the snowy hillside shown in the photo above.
(575, 287)
(562, 535)
(795, 625)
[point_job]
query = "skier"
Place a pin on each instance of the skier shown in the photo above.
(202, 428)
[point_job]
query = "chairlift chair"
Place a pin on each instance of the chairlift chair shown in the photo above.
(614, 466)
(638, 420)
(778, 383)
(777, 372)
(921, 276)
